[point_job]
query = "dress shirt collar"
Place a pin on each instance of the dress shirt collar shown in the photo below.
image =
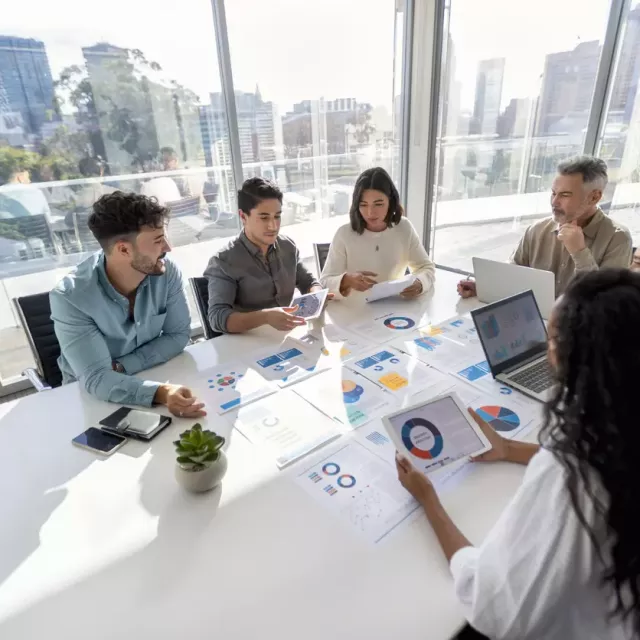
(109, 289)
(254, 249)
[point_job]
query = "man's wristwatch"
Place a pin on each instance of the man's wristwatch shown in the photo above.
(118, 367)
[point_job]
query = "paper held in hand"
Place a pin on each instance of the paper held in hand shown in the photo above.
(389, 288)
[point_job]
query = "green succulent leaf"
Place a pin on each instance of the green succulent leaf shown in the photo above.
(197, 448)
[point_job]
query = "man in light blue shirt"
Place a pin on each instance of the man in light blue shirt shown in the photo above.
(124, 309)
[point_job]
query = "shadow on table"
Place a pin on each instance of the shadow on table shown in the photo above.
(147, 576)
(35, 487)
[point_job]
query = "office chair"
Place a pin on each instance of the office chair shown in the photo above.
(35, 316)
(200, 289)
(321, 251)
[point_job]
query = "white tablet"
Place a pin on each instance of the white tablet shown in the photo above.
(436, 433)
(310, 305)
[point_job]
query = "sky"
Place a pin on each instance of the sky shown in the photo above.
(521, 32)
(294, 49)
(299, 49)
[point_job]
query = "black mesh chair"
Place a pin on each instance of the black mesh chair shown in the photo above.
(200, 289)
(35, 315)
(321, 251)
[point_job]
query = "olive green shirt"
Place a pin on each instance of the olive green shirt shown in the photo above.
(608, 244)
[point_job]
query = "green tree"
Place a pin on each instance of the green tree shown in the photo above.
(127, 101)
(12, 160)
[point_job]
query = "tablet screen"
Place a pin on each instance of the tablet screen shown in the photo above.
(310, 305)
(435, 434)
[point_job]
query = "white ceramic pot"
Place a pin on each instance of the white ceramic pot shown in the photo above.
(205, 479)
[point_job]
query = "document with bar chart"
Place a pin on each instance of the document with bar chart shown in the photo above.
(450, 346)
(400, 374)
(360, 489)
(288, 363)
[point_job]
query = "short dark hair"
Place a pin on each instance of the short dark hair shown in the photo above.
(120, 216)
(169, 150)
(378, 179)
(254, 191)
(591, 169)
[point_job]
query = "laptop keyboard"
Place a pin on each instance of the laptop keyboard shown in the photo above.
(537, 378)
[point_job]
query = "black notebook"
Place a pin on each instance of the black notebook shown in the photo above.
(134, 423)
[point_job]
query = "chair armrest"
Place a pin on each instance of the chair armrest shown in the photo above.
(34, 378)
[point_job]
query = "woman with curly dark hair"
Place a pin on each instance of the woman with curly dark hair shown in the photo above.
(563, 561)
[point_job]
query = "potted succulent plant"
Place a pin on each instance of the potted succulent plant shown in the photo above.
(201, 463)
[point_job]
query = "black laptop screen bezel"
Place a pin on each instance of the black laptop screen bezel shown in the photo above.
(526, 356)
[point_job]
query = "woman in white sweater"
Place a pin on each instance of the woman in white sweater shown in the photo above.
(378, 244)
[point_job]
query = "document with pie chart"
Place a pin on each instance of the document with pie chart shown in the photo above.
(230, 386)
(286, 426)
(434, 434)
(346, 397)
(361, 489)
(388, 326)
(508, 412)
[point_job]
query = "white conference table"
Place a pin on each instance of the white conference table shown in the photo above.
(114, 548)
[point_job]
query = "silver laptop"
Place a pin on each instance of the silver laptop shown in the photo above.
(498, 280)
(514, 340)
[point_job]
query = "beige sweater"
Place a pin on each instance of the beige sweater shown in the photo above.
(387, 253)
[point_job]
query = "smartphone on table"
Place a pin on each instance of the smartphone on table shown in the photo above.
(99, 441)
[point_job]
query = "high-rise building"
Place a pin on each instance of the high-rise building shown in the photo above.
(486, 108)
(451, 93)
(567, 89)
(514, 120)
(26, 78)
(344, 120)
(138, 113)
(625, 85)
(259, 126)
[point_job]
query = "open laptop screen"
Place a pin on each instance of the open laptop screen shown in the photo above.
(510, 330)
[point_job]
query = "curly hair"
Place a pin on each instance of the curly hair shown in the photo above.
(376, 178)
(120, 215)
(591, 423)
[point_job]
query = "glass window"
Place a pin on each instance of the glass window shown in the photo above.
(516, 91)
(313, 116)
(89, 106)
(619, 143)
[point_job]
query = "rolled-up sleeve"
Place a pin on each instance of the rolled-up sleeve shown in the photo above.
(176, 330)
(526, 571)
(223, 288)
(617, 256)
(85, 350)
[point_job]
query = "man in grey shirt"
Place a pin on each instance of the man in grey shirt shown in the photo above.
(252, 280)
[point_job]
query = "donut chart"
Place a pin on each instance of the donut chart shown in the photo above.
(346, 481)
(424, 454)
(399, 322)
(500, 418)
(331, 469)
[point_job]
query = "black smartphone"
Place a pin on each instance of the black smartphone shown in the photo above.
(99, 441)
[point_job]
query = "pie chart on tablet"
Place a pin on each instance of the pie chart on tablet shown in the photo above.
(500, 418)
